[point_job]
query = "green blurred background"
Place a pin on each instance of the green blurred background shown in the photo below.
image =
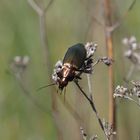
(28, 114)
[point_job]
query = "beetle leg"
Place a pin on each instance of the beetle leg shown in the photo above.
(78, 77)
(87, 67)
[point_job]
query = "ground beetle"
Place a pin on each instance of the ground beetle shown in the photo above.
(77, 60)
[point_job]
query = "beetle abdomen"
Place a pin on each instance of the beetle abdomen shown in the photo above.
(75, 55)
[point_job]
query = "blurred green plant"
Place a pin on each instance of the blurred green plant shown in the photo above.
(66, 23)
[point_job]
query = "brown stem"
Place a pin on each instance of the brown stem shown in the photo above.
(109, 44)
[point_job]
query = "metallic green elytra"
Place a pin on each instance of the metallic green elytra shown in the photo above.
(75, 55)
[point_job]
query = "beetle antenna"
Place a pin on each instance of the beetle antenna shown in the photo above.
(46, 86)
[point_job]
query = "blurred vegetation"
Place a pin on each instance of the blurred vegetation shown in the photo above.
(26, 114)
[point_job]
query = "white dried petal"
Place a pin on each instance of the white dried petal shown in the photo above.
(17, 59)
(128, 53)
(106, 60)
(132, 39)
(118, 87)
(134, 46)
(25, 60)
(54, 77)
(125, 41)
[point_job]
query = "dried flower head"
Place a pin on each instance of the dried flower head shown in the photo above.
(133, 50)
(57, 69)
(120, 90)
(136, 89)
(21, 60)
(91, 48)
(19, 63)
(106, 60)
(85, 136)
(129, 94)
(130, 42)
(108, 129)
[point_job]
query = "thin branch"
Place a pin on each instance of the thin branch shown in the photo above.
(41, 12)
(42, 23)
(89, 85)
(114, 26)
(130, 72)
(93, 108)
(36, 7)
(43, 36)
(119, 22)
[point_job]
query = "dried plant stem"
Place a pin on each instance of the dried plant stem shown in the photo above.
(41, 12)
(89, 85)
(90, 100)
(109, 44)
(43, 35)
(109, 28)
(130, 72)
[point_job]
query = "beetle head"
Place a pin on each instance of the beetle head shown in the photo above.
(63, 74)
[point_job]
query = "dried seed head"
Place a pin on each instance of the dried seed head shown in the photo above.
(128, 53)
(131, 43)
(134, 46)
(122, 90)
(132, 39)
(58, 66)
(108, 129)
(106, 60)
(125, 41)
(19, 64)
(84, 135)
(21, 60)
(136, 83)
(26, 60)
(57, 69)
(132, 53)
(17, 59)
(90, 48)
(136, 89)
(95, 137)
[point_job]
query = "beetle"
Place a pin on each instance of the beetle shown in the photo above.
(77, 60)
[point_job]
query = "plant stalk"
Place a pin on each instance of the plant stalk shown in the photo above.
(109, 45)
